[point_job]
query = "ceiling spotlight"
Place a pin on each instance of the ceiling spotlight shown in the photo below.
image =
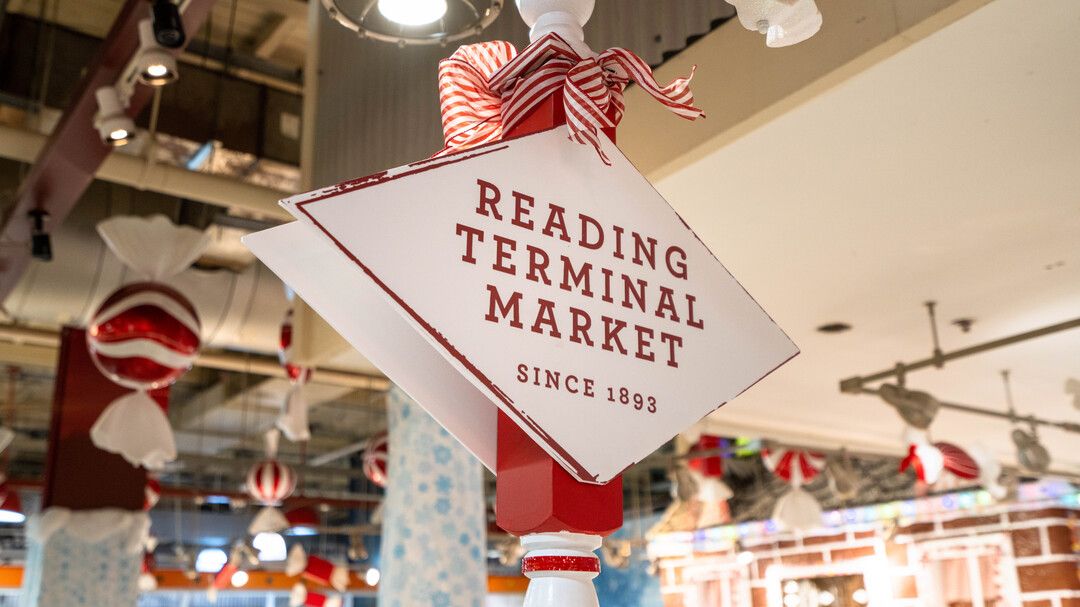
(156, 66)
(114, 126)
(412, 12)
(917, 408)
(1030, 452)
(40, 243)
(168, 26)
(239, 579)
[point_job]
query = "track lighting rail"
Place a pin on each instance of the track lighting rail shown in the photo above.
(1032, 420)
(856, 385)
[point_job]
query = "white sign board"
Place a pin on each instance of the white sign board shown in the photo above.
(529, 276)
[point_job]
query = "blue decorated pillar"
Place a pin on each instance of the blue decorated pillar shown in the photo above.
(434, 524)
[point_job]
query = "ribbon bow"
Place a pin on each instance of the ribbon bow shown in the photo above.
(486, 89)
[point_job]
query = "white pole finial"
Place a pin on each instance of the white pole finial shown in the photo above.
(567, 18)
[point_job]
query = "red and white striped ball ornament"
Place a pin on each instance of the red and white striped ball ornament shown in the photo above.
(297, 374)
(270, 482)
(376, 455)
(793, 466)
(144, 336)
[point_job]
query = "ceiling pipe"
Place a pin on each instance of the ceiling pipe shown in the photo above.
(24, 145)
(255, 364)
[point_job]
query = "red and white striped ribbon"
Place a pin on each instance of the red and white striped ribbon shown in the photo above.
(488, 88)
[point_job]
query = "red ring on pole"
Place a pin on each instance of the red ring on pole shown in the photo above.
(583, 564)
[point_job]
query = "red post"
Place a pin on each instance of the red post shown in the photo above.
(534, 494)
(78, 475)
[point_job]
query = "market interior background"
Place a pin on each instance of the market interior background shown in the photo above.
(910, 152)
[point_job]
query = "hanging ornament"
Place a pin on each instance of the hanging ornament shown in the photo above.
(293, 421)
(957, 461)
(144, 336)
(923, 458)
(374, 461)
(300, 596)
(796, 510)
(316, 570)
(842, 475)
(147, 581)
(270, 482)
(151, 493)
(7, 436)
(712, 491)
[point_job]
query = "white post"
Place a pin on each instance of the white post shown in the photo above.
(561, 567)
(566, 18)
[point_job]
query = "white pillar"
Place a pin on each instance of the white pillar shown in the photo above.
(561, 567)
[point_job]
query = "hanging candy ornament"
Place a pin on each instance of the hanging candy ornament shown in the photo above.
(796, 510)
(374, 461)
(147, 581)
(712, 491)
(923, 458)
(270, 482)
(957, 461)
(300, 596)
(144, 336)
(293, 421)
(151, 493)
(316, 570)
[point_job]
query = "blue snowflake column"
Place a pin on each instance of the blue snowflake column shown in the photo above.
(83, 559)
(433, 552)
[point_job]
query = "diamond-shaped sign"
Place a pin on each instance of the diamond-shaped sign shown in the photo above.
(567, 292)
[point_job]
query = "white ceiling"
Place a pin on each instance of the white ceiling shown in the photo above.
(950, 171)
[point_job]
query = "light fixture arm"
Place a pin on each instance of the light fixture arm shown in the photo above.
(855, 385)
(938, 355)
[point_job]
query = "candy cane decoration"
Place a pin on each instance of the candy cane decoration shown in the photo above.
(316, 570)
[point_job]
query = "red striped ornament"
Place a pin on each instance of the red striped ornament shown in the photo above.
(144, 336)
(957, 461)
(297, 374)
(374, 461)
(270, 482)
(793, 466)
(486, 89)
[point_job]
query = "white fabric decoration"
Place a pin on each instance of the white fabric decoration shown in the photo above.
(7, 435)
(135, 427)
(293, 421)
(268, 520)
(797, 510)
(153, 247)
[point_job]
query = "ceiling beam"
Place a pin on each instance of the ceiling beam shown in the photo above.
(65, 167)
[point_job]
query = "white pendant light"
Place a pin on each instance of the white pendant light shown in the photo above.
(412, 12)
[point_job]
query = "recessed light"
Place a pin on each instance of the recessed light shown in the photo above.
(834, 327)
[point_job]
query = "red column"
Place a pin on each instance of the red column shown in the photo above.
(78, 475)
(534, 494)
